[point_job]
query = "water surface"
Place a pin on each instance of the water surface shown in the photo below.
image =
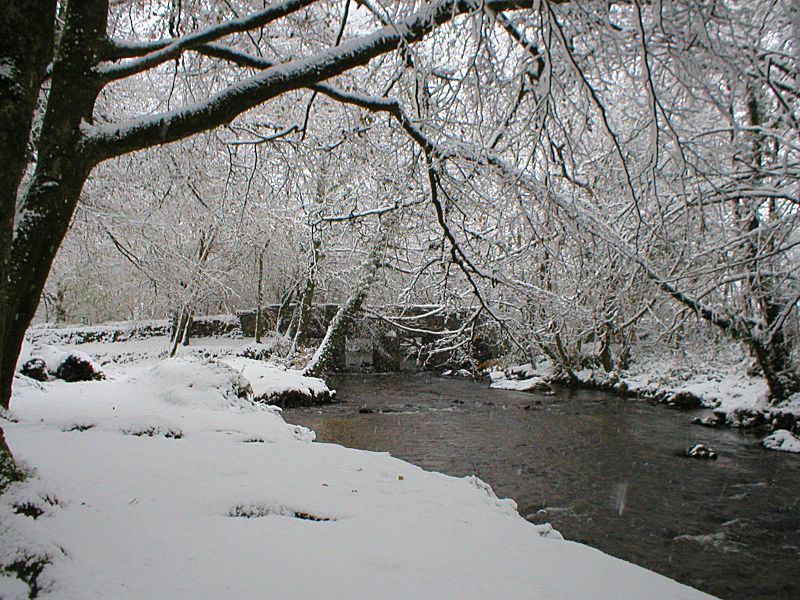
(603, 470)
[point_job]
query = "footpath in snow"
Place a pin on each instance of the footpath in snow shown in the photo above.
(166, 480)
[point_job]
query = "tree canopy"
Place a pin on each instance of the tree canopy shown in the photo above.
(580, 171)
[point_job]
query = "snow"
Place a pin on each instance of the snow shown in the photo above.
(719, 377)
(242, 504)
(782, 440)
(8, 69)
(54, 357)
(721, 382)
(269, 381)
(522, 378)
(12, 588)
(790, 405)
(192, 381)
(456, 373)
(49, 333)
(534, 384)
(496, 375)
(522, 371)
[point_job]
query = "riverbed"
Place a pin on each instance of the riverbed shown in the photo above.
(603, 470)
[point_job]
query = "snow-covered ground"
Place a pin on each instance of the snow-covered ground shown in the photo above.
(165, 480)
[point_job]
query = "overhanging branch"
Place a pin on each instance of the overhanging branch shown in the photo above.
(157, 52)
(107, 141)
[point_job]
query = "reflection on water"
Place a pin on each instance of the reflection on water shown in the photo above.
(602, 470)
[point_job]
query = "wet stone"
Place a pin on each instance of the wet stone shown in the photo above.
(700, 451)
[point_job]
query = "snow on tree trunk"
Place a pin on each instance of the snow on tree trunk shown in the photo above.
(307, 297)
(181, 330)
(30, 239)
(337, 329)
(9, 471)
(26, 47)
(260, 299)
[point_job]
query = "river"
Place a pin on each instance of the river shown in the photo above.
(605, 471)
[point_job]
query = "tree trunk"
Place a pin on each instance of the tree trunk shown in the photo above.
(773, 351)
(775, 359)
(260, 299)
(306, 306)
(63, 164)
(60, 306)
(286, 301)
(9, 471)
(187, 329)
(180, 330)
(26, 47)
(336, 334)
(604, 354)
(337, 329)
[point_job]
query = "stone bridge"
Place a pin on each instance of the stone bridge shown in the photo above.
(377, 341)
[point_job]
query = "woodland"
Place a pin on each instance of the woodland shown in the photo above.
(590, 178)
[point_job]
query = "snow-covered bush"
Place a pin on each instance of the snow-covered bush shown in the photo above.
(45, 362)
(277, 346)
(193, 381)
(280, 386)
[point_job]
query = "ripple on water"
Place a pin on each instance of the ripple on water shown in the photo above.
(602, 469)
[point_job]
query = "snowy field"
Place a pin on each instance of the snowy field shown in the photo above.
(162, 481)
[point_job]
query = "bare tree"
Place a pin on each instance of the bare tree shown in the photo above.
(337, 330)
(570, 164)
(69, 59)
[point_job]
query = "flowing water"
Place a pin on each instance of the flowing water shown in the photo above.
(603, 470)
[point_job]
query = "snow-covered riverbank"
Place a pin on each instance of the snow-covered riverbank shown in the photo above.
(162, 481)
(719, 383)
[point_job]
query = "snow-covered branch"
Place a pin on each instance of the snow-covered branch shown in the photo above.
(153, 53)
(106, 141)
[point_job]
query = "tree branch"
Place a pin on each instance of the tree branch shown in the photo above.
(112, 140)
(160, 51)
